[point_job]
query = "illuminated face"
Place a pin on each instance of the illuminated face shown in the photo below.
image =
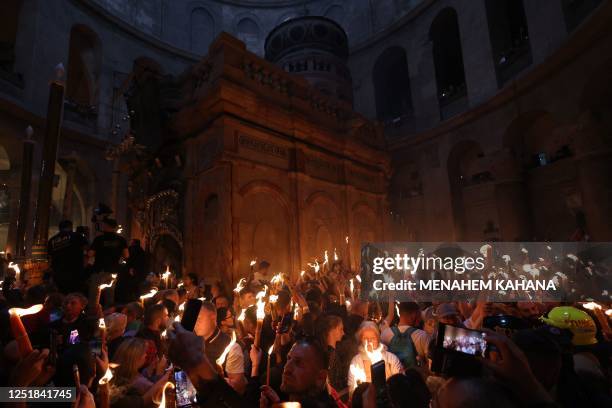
(302, 371)
(72, 307)
(206, 323)
(370, 337)
(227, 324)
(336, 334)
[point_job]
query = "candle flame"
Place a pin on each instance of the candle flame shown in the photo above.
(149, 295)
(592, 306)
(315, 265)
(180, 285)
(296, 311)
(270, 349)
(278, 278)
(241, 284)
(24, 312)
(223, 355)
(358, 277)
(242, 315)
(15, 267)
(167, 269)
(164, 334)
(108, 375)
(326, 257)
(358, 374)
(273, 298)
(177, 318)
(352, 286)
(108, 285)
(162, 404)
(261, 312)
(253, 262)
(181, 307)
(335, 255)
(101, 323)
(347, 303)
(609, 312)
(346, 239)
(302, 273)
(119, 229)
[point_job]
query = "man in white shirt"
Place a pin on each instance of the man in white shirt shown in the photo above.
(410, 317)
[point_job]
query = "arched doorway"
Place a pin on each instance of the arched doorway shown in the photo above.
(167, 253)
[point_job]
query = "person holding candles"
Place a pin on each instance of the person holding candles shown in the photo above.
(215, 342)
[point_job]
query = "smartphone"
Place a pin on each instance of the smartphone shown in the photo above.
(186, 394)
(379, 378)
(74, 337)
(462, 340)
(190, 316)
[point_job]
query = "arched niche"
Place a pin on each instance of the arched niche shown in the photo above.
(447, 56)
(247, 30)
(201, 30)
(392, 85)
(264, 231)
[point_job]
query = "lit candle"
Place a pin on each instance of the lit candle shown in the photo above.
(221, 360)
(162, 404)
(261, 314)
(166, 277)
(268, 371)
(147, 296)
(273, 299)
(102, 327)
(240, 285)
(19, 332)
(15, 267)
(104, 286)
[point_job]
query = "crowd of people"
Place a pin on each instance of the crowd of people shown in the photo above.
(308, 338)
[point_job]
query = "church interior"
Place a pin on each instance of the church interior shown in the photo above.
(220, 132)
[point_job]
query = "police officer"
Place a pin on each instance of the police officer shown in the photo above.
(66, 250)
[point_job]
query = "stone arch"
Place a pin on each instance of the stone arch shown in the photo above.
(84, 66)
(249, 32)
(264, 226)
(392, 85)
(323, 226)
(532, 140)
(509, 36)
(167, 251)
(448, 56)
(201, 30)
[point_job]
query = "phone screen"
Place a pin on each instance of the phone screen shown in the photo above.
(379, 378)
(74, 337)
(185, 391)
(190, 316)
(464, 341)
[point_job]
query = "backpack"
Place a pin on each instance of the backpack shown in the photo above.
(402, 346)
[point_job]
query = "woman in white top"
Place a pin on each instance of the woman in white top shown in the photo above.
(371, 350)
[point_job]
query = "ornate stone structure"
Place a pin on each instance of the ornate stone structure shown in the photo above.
(315, 48)
(270, 169)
